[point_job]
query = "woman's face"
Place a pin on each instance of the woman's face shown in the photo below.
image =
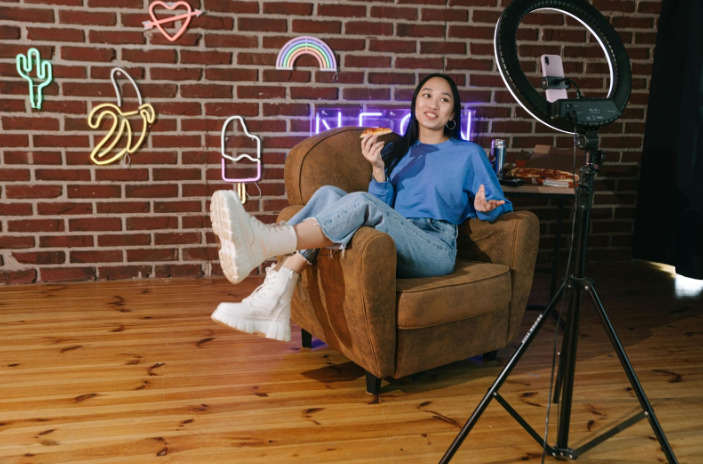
(434, 106)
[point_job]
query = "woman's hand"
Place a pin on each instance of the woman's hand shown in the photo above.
(371, 149)
(483, 205)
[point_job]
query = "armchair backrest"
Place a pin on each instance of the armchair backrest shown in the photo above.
(332, 157)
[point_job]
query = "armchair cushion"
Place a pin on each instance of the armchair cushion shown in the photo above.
(473, 289)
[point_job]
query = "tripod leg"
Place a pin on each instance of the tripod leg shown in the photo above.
(567, 366)
(560, 373)
(562, 363)
(647, 408)
(536, 326)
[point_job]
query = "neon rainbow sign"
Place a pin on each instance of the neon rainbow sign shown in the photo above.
(306, 45)
(394, 119)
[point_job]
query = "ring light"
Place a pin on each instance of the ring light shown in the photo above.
(584, 117)
(564, 115)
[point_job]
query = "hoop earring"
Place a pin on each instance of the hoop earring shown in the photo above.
(453, 122)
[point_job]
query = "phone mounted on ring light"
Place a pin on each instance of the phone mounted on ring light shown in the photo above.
(555, 82)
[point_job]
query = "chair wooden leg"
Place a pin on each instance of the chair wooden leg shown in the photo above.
(490, 356)
(306, 338)
(373, 384)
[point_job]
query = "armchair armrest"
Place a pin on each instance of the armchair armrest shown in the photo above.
(348, 299)
(513, 240)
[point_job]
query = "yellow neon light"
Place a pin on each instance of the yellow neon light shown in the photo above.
(120, 124)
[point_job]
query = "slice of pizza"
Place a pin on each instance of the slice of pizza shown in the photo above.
(375, 131)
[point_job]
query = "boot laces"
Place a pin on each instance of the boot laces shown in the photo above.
(273, 227)
(264, 291)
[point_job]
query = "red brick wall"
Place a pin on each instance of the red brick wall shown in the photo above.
(64, 218)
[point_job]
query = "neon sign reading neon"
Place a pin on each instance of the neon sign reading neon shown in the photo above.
(395, 119)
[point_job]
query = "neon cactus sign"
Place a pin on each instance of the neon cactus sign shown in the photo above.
(395, 119)
(32, 63)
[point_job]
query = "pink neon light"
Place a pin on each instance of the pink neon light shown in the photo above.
(171, 6)
(319, 59)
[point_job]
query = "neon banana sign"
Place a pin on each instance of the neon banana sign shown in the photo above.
(121, 128)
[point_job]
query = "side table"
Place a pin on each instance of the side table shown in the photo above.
(561, 195)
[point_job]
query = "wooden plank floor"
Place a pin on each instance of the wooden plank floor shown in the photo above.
(135, 372)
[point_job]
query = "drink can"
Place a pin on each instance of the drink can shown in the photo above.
(498, 156)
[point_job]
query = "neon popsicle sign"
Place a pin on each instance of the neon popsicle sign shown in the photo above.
(395, 119)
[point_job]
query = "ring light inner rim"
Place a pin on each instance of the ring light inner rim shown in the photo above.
(600, 42)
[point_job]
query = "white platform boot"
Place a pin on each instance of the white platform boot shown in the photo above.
(245, 242)
(266, 310)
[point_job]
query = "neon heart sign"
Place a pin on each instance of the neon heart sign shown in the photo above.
(171, 6)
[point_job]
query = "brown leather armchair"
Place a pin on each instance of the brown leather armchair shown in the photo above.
(392, 327)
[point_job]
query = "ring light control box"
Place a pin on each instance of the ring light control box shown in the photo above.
(586, 111)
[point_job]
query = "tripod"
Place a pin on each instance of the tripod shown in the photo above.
(575, 285)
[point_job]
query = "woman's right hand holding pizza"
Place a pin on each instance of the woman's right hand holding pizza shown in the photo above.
(371, 149)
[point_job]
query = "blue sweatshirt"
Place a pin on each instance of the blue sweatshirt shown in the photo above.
(440, 182)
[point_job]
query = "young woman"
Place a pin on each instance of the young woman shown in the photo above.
(422, 188)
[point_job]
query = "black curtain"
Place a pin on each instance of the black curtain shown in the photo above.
(669, 218)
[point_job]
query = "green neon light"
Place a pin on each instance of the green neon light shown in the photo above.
(32, 62)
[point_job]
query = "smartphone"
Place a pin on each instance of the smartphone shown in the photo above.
(552, 68)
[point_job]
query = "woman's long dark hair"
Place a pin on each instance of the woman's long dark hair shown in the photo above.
(395, 151)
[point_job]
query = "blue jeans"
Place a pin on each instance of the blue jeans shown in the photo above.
(425, 247)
